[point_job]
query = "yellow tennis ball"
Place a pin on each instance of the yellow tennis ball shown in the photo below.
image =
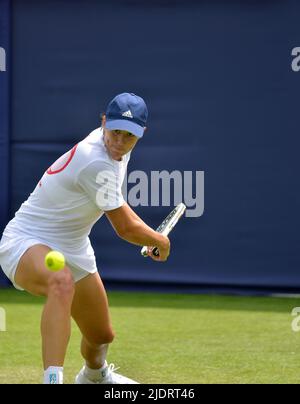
(55, 261)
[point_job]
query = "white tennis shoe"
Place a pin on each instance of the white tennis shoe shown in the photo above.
(109, 376)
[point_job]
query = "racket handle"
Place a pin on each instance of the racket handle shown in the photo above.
(144, 252)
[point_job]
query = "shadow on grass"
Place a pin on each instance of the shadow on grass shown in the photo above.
(173, 301)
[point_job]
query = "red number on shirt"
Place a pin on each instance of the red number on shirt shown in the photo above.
(62, 163)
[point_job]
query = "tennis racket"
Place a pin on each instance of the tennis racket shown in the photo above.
(166, 227)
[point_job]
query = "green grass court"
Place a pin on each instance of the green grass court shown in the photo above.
(168, 338)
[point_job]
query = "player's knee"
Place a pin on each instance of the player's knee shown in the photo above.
(61, 285)
(108, 337)
(104, 337)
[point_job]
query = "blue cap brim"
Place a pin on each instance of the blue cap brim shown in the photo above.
(124, 124)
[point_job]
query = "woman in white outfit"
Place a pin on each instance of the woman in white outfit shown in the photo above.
(71, 197)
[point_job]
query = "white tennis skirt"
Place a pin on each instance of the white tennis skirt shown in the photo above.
(13, 246)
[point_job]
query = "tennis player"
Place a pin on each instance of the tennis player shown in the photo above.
(71, 197)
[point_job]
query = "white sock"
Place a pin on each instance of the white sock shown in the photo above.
(96, 375)
(54, 375)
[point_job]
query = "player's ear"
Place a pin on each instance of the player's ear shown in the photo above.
(103, 120)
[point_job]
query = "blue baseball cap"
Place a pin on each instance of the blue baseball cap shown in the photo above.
(129, 112)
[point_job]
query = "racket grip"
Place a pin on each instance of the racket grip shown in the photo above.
(144, 252)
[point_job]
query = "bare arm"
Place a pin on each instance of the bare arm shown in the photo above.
(130, 227)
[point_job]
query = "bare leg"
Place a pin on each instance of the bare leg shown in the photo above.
(91, 313)
(33, 276)
(56, 320)
(94, 356)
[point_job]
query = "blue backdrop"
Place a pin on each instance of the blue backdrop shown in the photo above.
(4, 116)
(223, 99)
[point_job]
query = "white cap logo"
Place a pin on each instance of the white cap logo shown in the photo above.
(127, 114)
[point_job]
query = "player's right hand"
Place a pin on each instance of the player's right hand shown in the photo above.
(163, 250)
